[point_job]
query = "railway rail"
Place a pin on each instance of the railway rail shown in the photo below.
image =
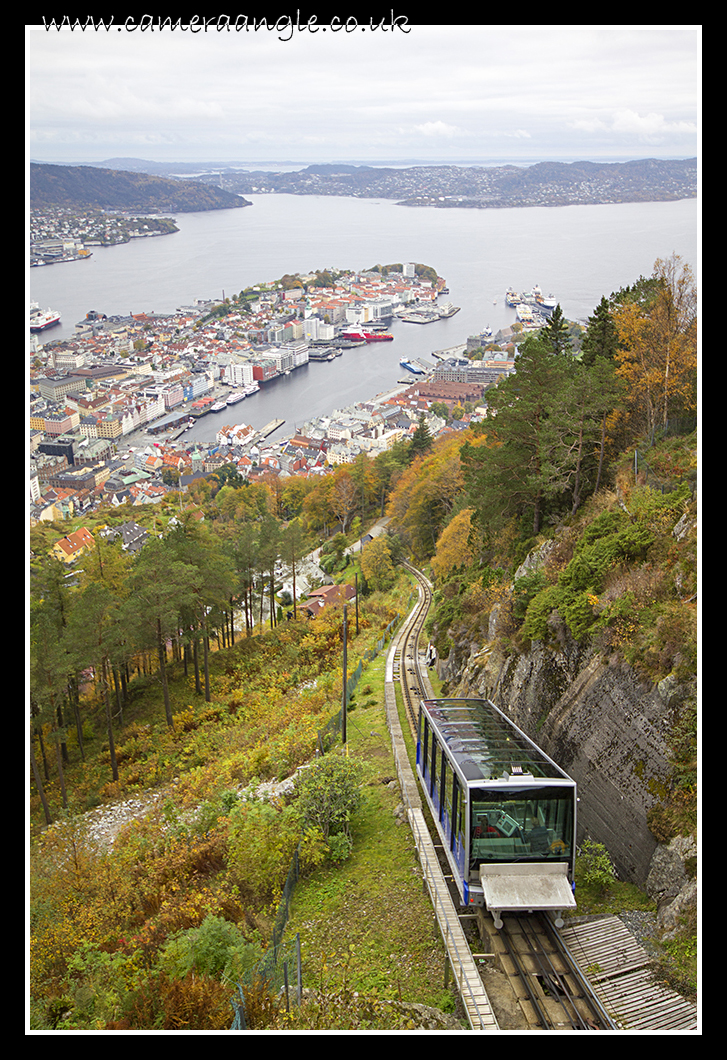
(552, 991)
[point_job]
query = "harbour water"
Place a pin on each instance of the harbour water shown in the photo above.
(577, 253)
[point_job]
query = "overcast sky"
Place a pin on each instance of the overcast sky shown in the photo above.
(436, 93)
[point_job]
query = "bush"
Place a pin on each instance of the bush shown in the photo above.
(328, 792)
(262, 844)
(595, 867)
(214, 948)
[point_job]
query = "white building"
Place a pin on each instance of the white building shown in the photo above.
(239, 374)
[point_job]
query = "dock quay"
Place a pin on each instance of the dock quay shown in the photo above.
(269, 428)
(452, 351)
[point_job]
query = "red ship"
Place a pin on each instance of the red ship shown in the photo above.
(357, 334)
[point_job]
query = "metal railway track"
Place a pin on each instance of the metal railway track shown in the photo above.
(414, 683)
(553, 992)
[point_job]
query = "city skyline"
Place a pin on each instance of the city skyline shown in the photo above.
(410, 94)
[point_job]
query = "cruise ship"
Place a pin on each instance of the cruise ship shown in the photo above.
(41, 319)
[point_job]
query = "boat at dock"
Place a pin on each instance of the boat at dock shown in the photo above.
(411, 367)
(41, 319)
(366, 335)
(234, 398)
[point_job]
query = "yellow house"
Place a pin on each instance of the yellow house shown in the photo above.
(68, 548)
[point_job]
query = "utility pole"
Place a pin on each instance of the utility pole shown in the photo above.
(345, 666)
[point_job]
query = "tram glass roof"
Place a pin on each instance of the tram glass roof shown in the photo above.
(479, 736)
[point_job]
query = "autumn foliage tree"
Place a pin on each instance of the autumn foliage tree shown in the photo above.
(426, 494)
(657, 359)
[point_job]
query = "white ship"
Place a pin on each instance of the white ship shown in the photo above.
(41, 319)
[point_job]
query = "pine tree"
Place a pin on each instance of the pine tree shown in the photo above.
(601, 338)
(421, 440)
(512, 475)
(555, 333)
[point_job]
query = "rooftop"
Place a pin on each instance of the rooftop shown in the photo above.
(485, 743)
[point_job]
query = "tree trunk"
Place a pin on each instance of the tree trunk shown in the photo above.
(73, 697)
(197, 680)
(61, 775)
(109, 726)
(64, 745)
(39, 783)
(162, 650)
(206, 667)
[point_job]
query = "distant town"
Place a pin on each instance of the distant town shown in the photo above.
(480, 187)
(111, 407)
(64, 233)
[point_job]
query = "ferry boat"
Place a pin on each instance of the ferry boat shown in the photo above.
(41, 319)
(252, 389)
(219, 406)
(411, 367)
(234, 398)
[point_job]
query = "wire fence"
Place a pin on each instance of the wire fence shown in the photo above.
(280, 969)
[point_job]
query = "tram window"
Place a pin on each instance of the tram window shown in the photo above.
(534, 823)
(433, 766)
(458, 816)
(424, 748)
(445, 789)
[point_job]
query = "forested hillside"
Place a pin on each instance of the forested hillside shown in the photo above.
(89, 186)
(184, 672)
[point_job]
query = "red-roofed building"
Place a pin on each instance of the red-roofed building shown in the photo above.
(72, 546)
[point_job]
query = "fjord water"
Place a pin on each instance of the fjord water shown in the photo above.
(576, 253)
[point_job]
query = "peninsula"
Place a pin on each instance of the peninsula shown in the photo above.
(479, 187)
(113, 189)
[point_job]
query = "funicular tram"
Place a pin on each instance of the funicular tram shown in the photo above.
(505, 812)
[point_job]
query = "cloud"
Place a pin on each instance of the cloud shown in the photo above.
(650, 127)
(439, 128)
(434, 91)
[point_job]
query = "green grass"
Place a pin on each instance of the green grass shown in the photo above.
(368, 923)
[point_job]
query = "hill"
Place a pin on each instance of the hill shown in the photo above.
(84, 186)
(490, 187)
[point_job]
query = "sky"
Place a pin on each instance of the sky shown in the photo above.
(411, 93)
